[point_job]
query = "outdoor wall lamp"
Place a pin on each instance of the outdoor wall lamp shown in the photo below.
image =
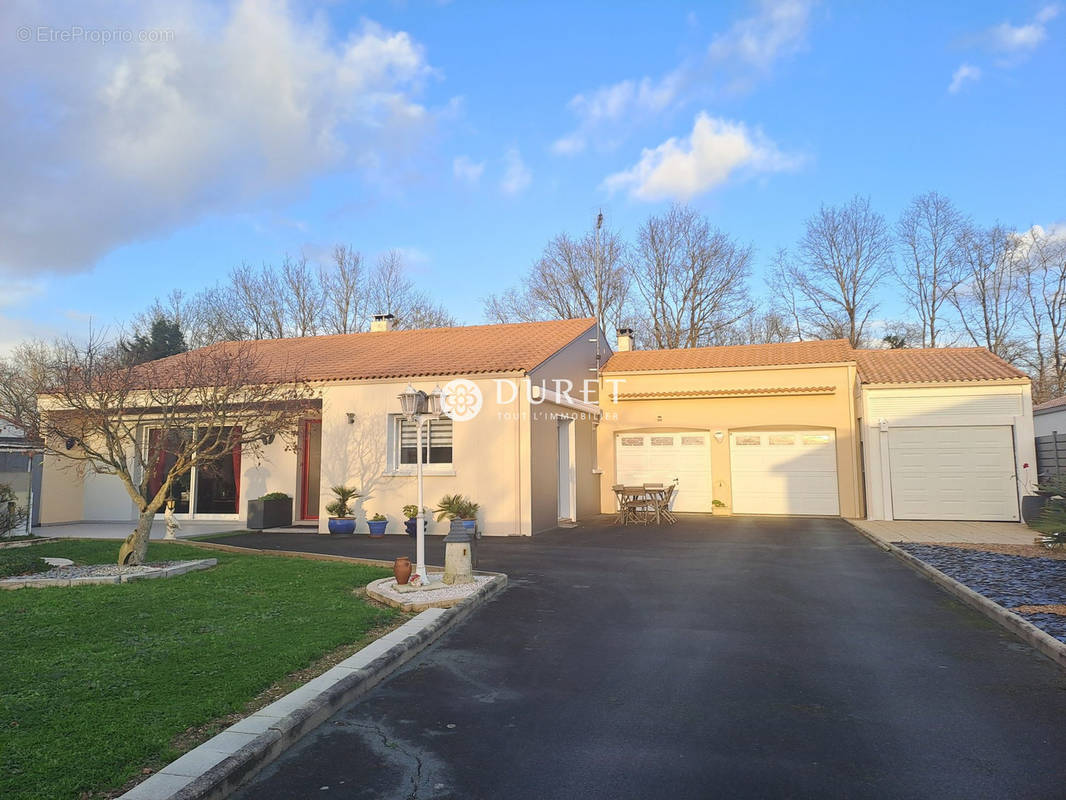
(69, 443)
(268, 439)
(719, 436)
(351, 417)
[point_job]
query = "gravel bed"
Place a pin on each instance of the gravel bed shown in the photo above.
(387, 587)
(98, 571)
(1008, 580)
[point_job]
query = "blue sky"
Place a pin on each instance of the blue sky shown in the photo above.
(469, 133)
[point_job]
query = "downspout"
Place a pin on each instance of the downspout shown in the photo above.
(518, 461)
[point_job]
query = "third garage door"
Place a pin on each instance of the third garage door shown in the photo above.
(784, 472)
(953, 472)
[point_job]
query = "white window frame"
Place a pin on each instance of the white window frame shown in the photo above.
(393, 465)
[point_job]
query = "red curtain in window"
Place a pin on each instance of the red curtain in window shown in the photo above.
(236, 434)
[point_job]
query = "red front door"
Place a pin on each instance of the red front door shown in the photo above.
(310, 468)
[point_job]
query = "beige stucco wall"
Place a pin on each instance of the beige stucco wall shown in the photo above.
(836, 411)
(62, 491)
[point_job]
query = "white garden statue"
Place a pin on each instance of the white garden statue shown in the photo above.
(172, 522)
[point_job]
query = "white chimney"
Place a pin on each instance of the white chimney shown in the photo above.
(382, 323)
(625, 339)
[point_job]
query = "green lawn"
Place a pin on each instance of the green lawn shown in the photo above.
(96, 681)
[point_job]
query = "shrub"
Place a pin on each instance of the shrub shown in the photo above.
(379, 517)
(12, 516)
(275, 496)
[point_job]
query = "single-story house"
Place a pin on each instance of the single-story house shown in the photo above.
(820, 428)
(1050, 417)
(526, 457)
(806, 428)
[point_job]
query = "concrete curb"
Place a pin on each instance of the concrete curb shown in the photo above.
(89, 580)
(1020, 627)
(220, 765)
(411, 607)
(26, 542)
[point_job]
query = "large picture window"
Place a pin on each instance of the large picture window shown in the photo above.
(211, 488)
(436, 444)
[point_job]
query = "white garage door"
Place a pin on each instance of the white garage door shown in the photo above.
(667, 457)
(953, 473)
(784, 472)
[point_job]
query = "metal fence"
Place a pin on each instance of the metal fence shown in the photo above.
(1051, 455)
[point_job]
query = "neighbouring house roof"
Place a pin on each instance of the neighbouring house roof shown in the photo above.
(470, 350)
(832, 351)
(933, 365)
(928, 365)
(1050, 405)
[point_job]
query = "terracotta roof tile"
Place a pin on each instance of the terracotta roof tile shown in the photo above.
(470, 350)
(929, 365)
(685, 394)
(933, 365)
(831, 351)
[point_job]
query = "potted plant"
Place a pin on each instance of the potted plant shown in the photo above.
(272, 510)
(456, 507)
(719, 508)
(377, 525)
(410, 523)
(341, 520)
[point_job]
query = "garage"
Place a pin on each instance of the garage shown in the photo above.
(784, 472)
(679, 457)
(953, 472)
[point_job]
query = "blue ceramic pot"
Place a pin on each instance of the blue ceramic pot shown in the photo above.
(411, 526)
(377, 527)
(342, 525)
(471, 526)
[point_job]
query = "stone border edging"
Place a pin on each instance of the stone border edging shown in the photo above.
(97, 580)
(216, 768)
(310, 556)
(26, 542)
(373, 593)
(1020, 627)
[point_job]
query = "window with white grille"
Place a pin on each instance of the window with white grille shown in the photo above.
(436, 443)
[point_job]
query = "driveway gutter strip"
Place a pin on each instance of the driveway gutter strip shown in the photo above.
(1022, 628)
(216, 768)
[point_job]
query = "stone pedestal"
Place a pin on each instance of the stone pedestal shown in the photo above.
(458, 559)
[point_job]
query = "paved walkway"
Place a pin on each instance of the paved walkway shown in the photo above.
(720, 657)
(947, 532)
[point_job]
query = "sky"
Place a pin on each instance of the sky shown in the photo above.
(152, 145)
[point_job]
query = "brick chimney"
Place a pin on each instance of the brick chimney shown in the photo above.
(382, 323)
(625, 339)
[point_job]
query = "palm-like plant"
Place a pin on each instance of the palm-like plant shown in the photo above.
(344, 495)
(455, 506)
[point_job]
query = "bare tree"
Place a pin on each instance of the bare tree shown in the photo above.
(303, 297)
(573, 278)
(844, 256)
(785, 298)
(1041, 260)
(767, 326)
(391, 291)
(94, 413)
(344, 293)
(931, 264)
(987, 299)
(692, 278)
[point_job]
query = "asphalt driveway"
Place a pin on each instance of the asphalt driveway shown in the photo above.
(720, 657)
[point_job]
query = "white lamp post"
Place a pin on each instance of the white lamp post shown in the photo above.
(419, 408)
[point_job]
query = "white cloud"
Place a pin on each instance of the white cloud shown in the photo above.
(466, 170)
(106, 144)
(733, 60)
(683, 168)
(516, 175)
(965, 72)
(780, 28)
(1019, 39)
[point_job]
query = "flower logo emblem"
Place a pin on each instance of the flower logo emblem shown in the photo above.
(461, 400)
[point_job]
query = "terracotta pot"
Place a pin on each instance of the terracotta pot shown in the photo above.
(401, 568)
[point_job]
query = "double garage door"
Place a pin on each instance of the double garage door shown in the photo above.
(956, 472)
(773, 472)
